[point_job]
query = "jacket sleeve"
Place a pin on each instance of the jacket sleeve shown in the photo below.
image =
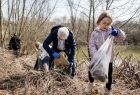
(92, 44)
(46, 43)
(72, 46)
(121, 35)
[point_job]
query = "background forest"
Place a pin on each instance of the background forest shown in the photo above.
(32, 20)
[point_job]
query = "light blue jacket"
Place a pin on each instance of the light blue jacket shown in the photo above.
(98, 37)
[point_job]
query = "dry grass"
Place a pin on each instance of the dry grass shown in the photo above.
(19, 78)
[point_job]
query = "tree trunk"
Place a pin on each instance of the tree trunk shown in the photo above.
(89, 25)
(0, 25)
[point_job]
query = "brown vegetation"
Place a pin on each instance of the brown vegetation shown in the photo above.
(18, 77)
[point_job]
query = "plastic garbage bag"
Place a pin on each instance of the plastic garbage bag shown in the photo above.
(100, 61)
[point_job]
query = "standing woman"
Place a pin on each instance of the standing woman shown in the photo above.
(98, 36)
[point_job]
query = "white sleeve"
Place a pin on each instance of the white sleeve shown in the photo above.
(122, 34)
(43, 52)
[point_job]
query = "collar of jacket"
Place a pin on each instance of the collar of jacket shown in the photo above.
(98, 29)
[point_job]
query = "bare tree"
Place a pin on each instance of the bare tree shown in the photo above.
(89, 22)
(71, 5)
(0, 24)
(73, 12)
(108, 4)
(23, 13)
(93, 16)
(27, 17)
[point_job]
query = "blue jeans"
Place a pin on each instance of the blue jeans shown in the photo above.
(39, 63)
(46, 60)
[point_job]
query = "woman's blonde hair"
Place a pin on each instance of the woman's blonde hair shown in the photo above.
(102, 16)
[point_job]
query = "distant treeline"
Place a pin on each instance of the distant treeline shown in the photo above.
(30, 33)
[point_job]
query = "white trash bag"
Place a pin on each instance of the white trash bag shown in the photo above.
(100, 61)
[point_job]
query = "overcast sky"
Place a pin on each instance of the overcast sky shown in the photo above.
(120, 13)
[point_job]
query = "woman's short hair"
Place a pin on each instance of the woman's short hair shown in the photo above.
(63, 31)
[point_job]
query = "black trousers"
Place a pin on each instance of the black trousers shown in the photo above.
(39, 63)
(110, 70)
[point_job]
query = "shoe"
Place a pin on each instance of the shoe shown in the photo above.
(89, 88)
(107, 92)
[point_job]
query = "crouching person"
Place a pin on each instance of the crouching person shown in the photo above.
(42, 58)
(62, 41)
(14, 44)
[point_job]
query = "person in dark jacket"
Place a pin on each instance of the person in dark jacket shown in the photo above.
(42, 58)
(14, 44)
(62, 40)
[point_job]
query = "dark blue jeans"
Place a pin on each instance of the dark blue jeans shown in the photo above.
(46, 60)
(39, 63)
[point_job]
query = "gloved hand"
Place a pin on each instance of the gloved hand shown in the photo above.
(114, 32)
(72, 69)
(56, 55)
